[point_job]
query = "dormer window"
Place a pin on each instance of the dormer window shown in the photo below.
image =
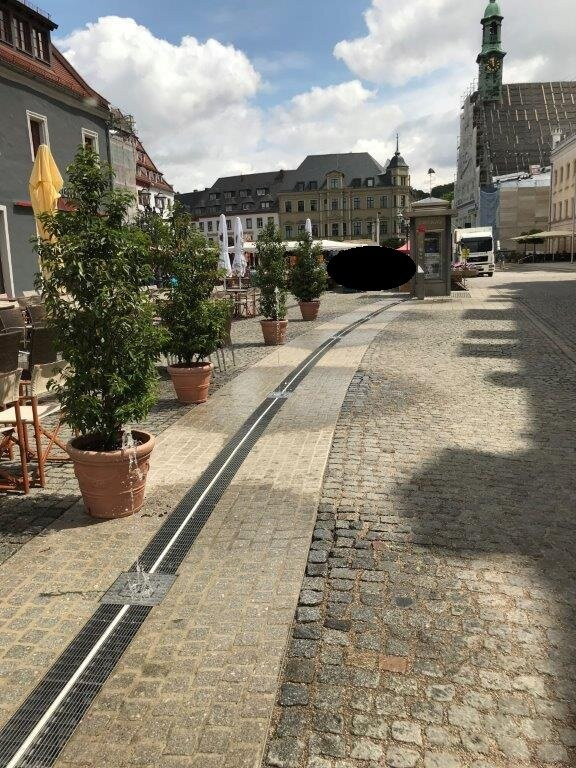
(22, 37)
(228, 195)
(335, 183)
(370, 181)
(300, 186)
(313, 185)
(261, 191)
(40, 44)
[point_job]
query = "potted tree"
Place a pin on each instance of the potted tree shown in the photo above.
(308, 278)
(94, 265)
(271, 278)
(194, 322)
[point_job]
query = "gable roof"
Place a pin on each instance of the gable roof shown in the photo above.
(58, 73)
(354, 165)
(146, 165)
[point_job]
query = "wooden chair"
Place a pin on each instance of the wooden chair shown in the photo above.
(10, 421)
(10, 343)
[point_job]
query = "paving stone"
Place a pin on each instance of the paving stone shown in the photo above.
(364, 749)
(401, 757)
(285, 753)
(553, 753)
(403, 730)
(293, 695)
(442, 760)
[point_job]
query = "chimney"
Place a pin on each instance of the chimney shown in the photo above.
(556, 137)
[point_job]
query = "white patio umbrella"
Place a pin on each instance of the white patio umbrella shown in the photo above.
(224, 260)
(240, 263)
(308, 227)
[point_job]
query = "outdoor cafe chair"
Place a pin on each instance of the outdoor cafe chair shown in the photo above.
(31, 410)
(36, 313)
(10, 422)
(12, 319)
(10, 343)
(42, 349)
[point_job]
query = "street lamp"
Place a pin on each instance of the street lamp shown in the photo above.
(160, 202)
(145, 196)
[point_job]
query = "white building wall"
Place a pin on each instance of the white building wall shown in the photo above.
(252, 224)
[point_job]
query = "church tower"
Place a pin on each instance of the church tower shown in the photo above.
(491, 59)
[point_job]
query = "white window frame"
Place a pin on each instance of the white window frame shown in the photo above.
(6, 253)
(86, 132)
(40, 119)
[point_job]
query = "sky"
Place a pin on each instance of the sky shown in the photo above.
(237, 86)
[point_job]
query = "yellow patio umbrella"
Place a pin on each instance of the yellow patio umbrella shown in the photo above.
(45, 186)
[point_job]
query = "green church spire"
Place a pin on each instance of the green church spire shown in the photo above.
(491, 58)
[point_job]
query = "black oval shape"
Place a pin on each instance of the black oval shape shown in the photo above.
(371, 268)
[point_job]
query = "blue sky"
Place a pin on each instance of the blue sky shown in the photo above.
(289, 41)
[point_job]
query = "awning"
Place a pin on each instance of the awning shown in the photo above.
(292, 245)
(549, 235)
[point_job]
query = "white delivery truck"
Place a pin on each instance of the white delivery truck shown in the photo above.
(479, 244)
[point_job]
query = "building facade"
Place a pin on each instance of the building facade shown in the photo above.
(504, 129)
(253, 197)
(344, 195)
(563, 193)
(523, 206)
(44, 100)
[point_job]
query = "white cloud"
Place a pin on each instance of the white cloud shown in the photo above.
(192, 101)
(421, 37)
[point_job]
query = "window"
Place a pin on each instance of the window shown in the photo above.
(248, 223)
(270, 219)
(313, 205)
(301, 227)
(370, 182)
(23, 39)
(384, 201)
(561, 174)
(40, 44)
(335, 204)
(335, 230)
(38, 131)
(288, 206)
(355, 203)
(210, 226)
(266, 204)
(213, 196)
(259, 223)
(300, 186)
(261, 191)
(228, 224)
(555, 178)
(344, 229)
(356, 228)
(228, 195)
(201, 226)
(300, 206)
(288, 230)
(314, 230)
(369, 228)
(313, 185)
(90, 139)
(384, 226)
(344, 203)
(246, 206)
(243, 193)
(230, 208)
(334, 183)
(402, 201)
(369, 202)
(5, 35)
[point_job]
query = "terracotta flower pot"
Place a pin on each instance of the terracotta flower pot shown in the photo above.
(274, 331)
(191, 382)
(112, 483)
(309, 309)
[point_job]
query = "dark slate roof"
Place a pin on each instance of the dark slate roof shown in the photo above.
(397, 161)
(273, 181)
(356, 167)
(517, 132)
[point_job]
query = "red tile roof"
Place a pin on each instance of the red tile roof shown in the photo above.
(59, 73)
(142, 168)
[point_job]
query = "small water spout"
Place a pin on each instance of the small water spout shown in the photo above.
(141, 586)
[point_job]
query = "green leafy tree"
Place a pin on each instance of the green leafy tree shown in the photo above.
(94, 268)
(393, 242)
(272, 273)
(158, 233)
(194, 322)
(308, 278)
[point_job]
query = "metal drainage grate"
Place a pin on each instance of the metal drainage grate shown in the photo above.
(137, 588)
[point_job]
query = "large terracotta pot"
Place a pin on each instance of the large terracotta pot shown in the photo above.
(112, 483)
(309, 309)
(274, 331)
(191, 382)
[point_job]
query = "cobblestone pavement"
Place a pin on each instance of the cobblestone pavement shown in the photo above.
(436, 623)
(22, 517)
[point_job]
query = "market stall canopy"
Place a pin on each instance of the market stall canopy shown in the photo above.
(292, 245)
(548, 235)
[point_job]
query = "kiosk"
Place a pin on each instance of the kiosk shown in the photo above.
(431, 246)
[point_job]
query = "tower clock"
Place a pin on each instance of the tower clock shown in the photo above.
(491, 57)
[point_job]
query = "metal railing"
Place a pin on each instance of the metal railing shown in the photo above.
(36, 9)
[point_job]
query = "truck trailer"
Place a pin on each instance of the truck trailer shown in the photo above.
(475, 245)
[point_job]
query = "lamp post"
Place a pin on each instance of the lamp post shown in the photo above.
(160, 203)
(145, 197)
